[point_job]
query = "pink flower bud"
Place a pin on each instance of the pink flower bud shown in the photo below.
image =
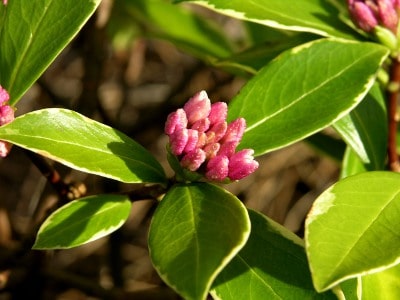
(217, 168)
(228, 149)
(178, 141)
(367, 14)
(218, 113)
(5, 2)
(211, 150)
(234, 131)
(4, 97)
(176, 121)
(242, 164)
(193, 138)
(216, 132)
(388, 14)
(5, 148)
(193, 160)
(6, 114)
(201, 125)
(198, 107)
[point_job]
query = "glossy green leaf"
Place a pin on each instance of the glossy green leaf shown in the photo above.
(316, 16)
(351, 164)
(384, 285)
(272, 265)
(195, 231)
(327, 145)
(305, 90)
(83, 144)
(32, 34)
(182, 27)
(353, 228)
(252, 59)
(82, 221)
(365, 129)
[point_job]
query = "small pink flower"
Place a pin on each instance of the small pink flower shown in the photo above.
(242, 164)
(178, 141)
(5, 2)
(203, 142)
(217, 168)
(217, 132)
(218, 113)
(193, 138)
(6, 116)
(176, 121)
(198, 107)
(367, 14)
(193, 160)
(201, 125)
(4, 97)
(234, 132)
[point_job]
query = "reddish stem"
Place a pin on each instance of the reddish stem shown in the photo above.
(393, 93)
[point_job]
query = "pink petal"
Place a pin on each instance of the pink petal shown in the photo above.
(234, 131)
(217, 168)
(178, 141)
(175, 121)
(198, 107)
(218, 113)
(242, 164)
(193, 160)
(4, 97)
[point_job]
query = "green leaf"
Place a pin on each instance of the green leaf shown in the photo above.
(305, 90)
(316, 16)
(83, 144)
(365, 129)
(327, 145)
(195, 231)
(272, 265)
(351, 164)
(32, 34)
(180, 26)
(353, 228)
(252, 59)
(384, 285)
(82, 221)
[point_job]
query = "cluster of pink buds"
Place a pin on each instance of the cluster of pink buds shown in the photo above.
(6, 116)
(367, 14)
(203, 142)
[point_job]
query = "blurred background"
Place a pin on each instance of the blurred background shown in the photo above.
(132, 64)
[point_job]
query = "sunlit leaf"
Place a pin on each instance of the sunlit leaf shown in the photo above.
(272, 265)
(195, 231)
(82, 221)
(305, 90)
(83, 144)
(353, 228)
(32, 34)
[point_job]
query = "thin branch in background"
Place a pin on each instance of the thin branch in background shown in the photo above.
(393, 92)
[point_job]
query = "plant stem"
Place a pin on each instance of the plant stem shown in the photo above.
(393, 92)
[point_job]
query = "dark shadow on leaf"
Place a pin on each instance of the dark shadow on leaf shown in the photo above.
(273, 259)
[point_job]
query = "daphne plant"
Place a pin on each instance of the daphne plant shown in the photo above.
(203, 142)
(202, 239)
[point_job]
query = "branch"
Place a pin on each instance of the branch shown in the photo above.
(393, 91)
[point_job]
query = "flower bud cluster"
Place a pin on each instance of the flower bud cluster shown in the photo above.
(6, 116)
(367, 14)
(203, 141)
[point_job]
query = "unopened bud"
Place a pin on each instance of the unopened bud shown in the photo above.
(242, 164)
(198, 107)
(217, 168)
